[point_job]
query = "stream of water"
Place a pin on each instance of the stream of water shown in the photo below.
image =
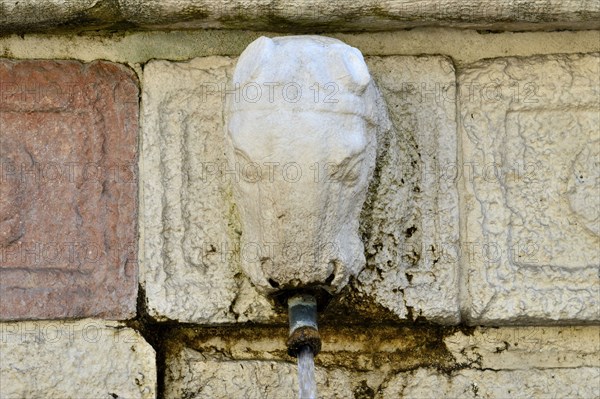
(306, 374)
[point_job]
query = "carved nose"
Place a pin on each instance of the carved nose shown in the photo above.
(334, 266)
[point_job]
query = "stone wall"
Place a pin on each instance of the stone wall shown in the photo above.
(298, 16)
(120, 256)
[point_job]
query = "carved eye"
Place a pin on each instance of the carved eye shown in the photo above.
(249, 171)
(240, 154)
(348, 171)
(353, 172)
(243, 159)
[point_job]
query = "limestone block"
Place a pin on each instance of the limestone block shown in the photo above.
(393, 348)
(530, 139)
(411, 223)
(36, 15)
(388, 362)
(522, 348)
(534, 383)
(190, 231)
(340, 15)
(296, 16)
(193, 375)
(190, 374)
(75, 359)
(68, 190)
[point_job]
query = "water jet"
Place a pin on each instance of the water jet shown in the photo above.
(304, 332)
(304, 341)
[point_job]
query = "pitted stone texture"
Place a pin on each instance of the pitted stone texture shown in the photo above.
(381, 363)
(25, 16)
(190, 234)
(523, 348)
(190, 229)
(533, 383)
(83, 359)
(340, 15)
(36, 15)
(190, 374)
(530, 140)
(411, 221)
(68, 203)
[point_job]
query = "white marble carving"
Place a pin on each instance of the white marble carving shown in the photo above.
(303, 137)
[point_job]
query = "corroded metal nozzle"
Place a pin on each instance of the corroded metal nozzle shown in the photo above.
(302, 311)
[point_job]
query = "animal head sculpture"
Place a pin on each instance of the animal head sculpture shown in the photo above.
(302, 133)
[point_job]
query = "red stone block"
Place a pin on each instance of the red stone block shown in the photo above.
(68, 190)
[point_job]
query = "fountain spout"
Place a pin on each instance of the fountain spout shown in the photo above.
(304, 341)
(302, 312)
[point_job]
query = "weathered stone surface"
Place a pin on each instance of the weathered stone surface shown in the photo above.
(522, 348)
(192, 375)
(395, 348)
(68, 203)
(462, 45)
(83, 359)
(383, 362)
(375, 15)
(530, 142)
(533, 383)
(411, 223)
(35, 15)
(191, 232)
(294, 16)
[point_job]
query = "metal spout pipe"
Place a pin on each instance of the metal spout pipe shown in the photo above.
(302, 313)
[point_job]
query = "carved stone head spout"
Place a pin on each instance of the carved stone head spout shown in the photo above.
(302, 133)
